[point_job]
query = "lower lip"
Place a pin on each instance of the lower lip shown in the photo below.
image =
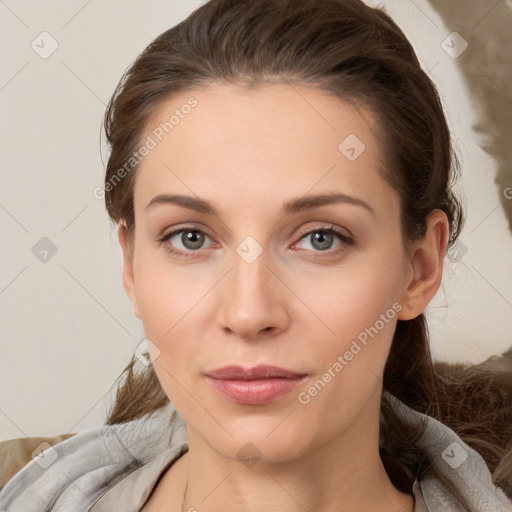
(255, 392)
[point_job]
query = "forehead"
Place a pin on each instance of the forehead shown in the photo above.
(273, 117)
(276, 137)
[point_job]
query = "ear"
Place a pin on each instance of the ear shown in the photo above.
(128, 276)
(427, 266)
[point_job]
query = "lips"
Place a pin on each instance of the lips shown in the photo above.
(256, 373)
(254, 386)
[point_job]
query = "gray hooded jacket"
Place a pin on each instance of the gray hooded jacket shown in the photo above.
(116, 467)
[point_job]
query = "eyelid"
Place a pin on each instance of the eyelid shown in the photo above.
(169, 234)
(345, 240)
(323, 227)
(164, 240)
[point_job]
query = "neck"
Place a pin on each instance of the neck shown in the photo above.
(342, 474)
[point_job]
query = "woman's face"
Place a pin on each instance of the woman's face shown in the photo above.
(235, 264)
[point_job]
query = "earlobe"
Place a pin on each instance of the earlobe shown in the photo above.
(427, 266)
(128, 275)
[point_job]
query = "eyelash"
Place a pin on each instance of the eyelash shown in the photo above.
(344, 239)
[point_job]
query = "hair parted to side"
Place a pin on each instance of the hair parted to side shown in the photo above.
(357, 54)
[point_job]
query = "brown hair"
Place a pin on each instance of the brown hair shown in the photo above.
(357, 54)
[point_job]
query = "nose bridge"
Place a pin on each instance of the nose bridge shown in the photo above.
(253, 301)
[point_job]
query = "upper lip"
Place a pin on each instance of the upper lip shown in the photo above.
(260, 372)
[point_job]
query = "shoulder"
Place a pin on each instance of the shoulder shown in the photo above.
(82, 466)
(17, 453)
(458, 478)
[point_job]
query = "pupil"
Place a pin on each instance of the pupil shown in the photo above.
(192, 239)
(324, 240)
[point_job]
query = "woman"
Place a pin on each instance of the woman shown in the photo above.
(280, 174)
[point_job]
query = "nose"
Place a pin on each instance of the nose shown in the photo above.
(253, 303)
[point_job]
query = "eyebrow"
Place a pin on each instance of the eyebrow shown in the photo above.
(293, 206)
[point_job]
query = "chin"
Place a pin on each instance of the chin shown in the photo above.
(262, 450)
(262, 439)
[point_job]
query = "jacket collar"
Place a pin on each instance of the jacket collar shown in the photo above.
(99, 466)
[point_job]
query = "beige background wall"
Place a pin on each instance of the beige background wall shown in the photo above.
(67, 327)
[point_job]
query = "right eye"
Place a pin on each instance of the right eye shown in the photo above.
(185, 241)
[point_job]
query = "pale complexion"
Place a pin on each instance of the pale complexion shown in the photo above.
(298, 305)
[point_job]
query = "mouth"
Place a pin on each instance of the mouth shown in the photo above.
(254, 386)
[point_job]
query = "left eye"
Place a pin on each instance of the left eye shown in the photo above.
(323, 239)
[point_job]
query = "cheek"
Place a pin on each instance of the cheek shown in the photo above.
(164, 292)
(362, 313)
(351, 298)
(174, 309)
(358, 308)
(166, 307)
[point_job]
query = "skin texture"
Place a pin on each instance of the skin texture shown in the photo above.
(247, 152)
